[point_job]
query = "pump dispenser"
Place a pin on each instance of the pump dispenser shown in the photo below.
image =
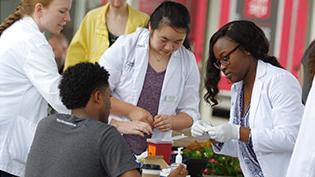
(178, 161)
(179, 158)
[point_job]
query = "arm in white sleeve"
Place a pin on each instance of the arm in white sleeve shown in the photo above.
(41, 69)
(189, 103)
(229, 148)
(287, 109)
(112, 61)
(303, 158)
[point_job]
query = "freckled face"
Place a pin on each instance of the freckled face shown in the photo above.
(54, 17)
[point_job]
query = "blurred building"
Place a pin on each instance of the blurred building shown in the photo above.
(288, 24)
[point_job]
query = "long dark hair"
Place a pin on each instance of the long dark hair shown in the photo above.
(310, 53)
(250, 38)
(173, 14)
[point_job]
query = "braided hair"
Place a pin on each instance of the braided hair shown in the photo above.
(26, 7)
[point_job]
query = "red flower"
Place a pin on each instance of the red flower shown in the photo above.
(213, 161)
(205, 171)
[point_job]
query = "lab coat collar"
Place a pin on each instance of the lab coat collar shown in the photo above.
(256, 93)
(174, 64)
(31, 22)
(143, 40)
(261, 69)
(257, 88)
(141, 55)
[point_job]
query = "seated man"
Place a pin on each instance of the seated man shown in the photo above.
(82, 144)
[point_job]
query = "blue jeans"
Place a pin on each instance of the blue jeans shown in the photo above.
(4, 174)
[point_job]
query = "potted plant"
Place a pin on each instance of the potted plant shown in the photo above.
(201, 160)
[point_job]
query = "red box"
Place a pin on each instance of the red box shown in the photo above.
(160, 147)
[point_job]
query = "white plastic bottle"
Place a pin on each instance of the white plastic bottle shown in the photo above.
(178, 161)
(179, 157)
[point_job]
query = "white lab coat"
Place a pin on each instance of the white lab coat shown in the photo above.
(28, 79)
(127, 62)
(274, 118)
(303, 158)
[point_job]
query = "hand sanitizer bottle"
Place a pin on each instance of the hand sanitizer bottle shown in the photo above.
(178, 161)
(179, 158)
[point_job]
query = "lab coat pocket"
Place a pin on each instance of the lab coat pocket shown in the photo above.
(263, 160)
(170, 98)
(127, 75)
(273, 163)
(311, 170)
(22, 136)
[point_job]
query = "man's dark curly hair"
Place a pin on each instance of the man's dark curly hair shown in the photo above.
(79, 81)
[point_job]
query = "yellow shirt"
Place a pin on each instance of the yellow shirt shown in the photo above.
(91, 39)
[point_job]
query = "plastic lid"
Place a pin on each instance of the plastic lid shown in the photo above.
(159, 141)
(151, 166)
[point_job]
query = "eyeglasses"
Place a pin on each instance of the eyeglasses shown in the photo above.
(224, 60)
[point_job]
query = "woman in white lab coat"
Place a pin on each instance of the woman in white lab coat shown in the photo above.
(154, 78)
(266, 106)
(303, 158)
(28, 77)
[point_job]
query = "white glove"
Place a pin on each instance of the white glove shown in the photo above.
(200, 128)
(224, 132)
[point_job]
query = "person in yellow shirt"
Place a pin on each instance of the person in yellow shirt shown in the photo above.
(59, 44)
(100, 28)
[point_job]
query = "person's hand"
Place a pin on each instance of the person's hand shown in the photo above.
(200, 128)
(163, 122)
(133, 127)
(224, 132)
(180, 171)
(141, 114)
